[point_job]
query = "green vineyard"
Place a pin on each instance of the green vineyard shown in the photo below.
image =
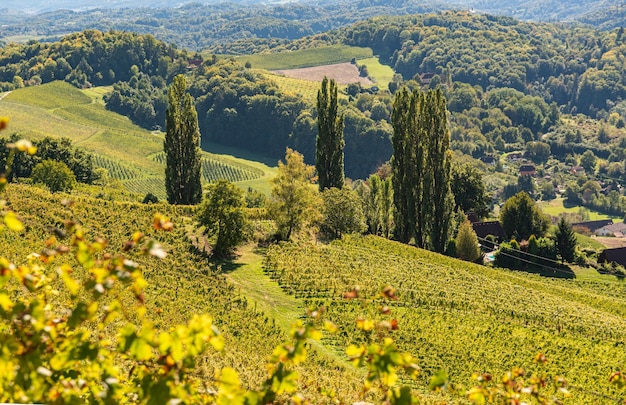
(181, 285)
(115, 169)
(143, 186)
(215, 168)
(461, 317)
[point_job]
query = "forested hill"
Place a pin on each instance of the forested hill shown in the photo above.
(197, 26)
(507, 82)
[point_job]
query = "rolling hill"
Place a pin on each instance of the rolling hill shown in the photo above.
(129, 153)
(452, 315)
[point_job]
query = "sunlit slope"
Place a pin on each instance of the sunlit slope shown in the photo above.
(465, 318)
(181, 285)
(127, 151)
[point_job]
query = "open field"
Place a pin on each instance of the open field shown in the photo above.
(556, 207)
(126, 150)
(344, 73)
(306, 58)
(380, 74)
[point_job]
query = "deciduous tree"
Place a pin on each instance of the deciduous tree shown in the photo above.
(520, 217)
(55, 175)
(223, 216)
(467, 247)
(294, 203)
(421, 168)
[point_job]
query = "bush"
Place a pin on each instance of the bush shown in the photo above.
(55, 175)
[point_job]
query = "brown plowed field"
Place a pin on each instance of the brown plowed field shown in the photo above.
(343, 73)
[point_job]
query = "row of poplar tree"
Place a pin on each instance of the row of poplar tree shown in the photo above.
(421, 163)
(420, 166)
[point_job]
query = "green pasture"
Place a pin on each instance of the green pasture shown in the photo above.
(306, 57)
(380, 74)
(556, 207)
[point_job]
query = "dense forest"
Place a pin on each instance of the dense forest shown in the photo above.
(507, 83)
(198, 26)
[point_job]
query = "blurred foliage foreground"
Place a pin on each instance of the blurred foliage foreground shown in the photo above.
(98, 346)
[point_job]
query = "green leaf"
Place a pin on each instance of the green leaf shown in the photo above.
(438, 380)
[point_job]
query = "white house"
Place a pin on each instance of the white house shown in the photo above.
(618, 230)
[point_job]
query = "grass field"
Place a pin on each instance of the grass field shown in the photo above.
(305, 58)
(556, 207)
(380, 74)
(59, 110)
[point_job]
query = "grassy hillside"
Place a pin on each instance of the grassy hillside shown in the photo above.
(127, 151)
(465, 318)
(306, 57)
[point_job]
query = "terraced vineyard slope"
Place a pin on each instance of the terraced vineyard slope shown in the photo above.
(465, 318)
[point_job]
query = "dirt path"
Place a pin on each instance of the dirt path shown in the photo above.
(3, 95)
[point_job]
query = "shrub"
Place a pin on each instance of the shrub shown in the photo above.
(55, 175)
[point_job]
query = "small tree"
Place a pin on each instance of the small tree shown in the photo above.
(520, 217)
(566, 241)
(343, 212)
(294, 202)
(55, 175)
(222, 215)
(467, 247)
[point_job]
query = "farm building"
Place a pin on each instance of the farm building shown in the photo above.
(593, 226)
(527, 170)
(483, 229)
(616, 255)
(618, 230)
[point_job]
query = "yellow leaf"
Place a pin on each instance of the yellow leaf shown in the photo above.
(14, 224)
(5, 302)
(476, 395)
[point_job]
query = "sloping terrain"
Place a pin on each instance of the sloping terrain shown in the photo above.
(461, 317)
(129, 153)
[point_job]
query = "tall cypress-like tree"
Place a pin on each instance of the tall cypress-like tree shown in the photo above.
(330, 142)
(399, 166)
(439, 163)
(566, 241)
(182, 146)
(421, 169)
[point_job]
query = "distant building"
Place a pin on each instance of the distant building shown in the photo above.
(593, 225)
(515, 156)
(527, 170)
(426, 78)
(577, 170)
(617, 255)
(618, 230)
(194, 63)
(483, 229)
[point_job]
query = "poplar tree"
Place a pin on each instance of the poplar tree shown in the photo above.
(399, 166)
(421, 169)
(182, 146)
(329, 142)
(439, 163)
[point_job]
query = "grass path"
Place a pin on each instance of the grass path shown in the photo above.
(246, 272)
